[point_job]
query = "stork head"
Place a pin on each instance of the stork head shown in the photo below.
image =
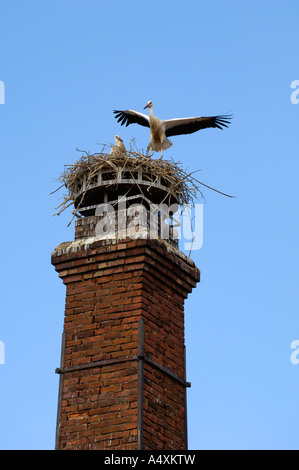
(149, 104)
(117, 139)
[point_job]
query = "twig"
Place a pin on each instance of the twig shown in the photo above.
(183, 185)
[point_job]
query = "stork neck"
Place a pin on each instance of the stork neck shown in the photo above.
(151, 111)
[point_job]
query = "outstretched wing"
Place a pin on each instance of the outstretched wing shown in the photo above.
(194, 124)
(131, 117)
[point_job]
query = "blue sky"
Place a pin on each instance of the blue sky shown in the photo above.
(65, 66)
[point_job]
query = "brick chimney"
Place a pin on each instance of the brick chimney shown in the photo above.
(122, 373)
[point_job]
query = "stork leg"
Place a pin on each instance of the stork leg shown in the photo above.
(161, 149)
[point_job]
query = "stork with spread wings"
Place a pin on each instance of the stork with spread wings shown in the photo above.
(161, 129)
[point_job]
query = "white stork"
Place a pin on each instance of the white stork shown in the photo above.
(161, 129)
(119, 146)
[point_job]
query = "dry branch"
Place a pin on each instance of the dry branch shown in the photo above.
(185, 187)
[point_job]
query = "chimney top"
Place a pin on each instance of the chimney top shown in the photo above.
(102, 178)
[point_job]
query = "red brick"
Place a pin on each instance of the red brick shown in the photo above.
(109, 288)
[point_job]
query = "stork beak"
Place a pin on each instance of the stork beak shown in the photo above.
(146, 106)
(120, 139)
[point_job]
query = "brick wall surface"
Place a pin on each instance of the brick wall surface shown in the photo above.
(110, 286)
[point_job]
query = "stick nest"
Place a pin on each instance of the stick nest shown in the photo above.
(184, 185)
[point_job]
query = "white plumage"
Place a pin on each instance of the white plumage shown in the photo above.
(119, 146)
(161, 129)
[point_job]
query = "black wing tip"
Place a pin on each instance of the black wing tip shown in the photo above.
(130, 117)
(225, 116)
(119, 115)
(223, 120)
